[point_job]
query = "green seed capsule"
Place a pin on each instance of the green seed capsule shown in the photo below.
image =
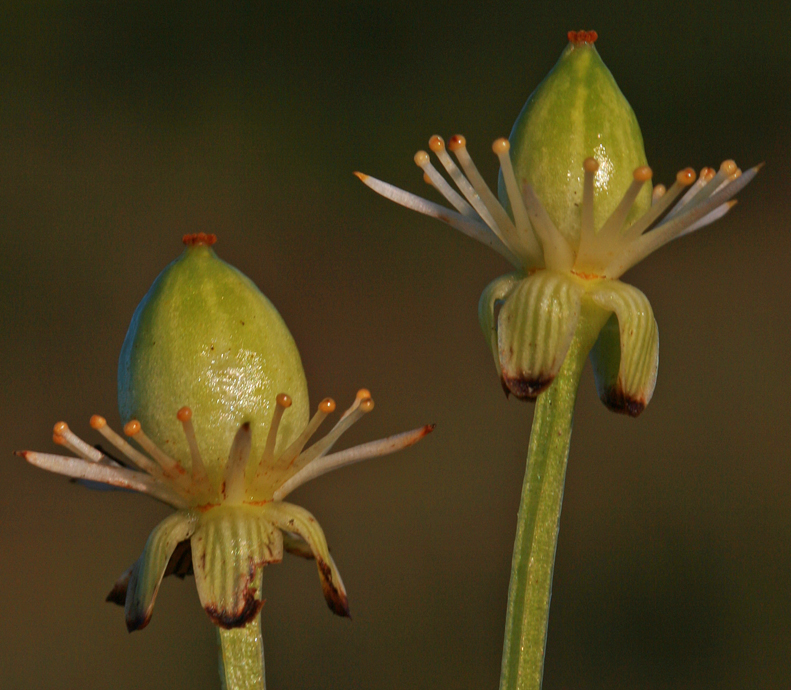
(576, 112)
(205, 337)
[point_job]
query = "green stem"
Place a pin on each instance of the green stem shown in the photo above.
(539, 518)
(242, 657)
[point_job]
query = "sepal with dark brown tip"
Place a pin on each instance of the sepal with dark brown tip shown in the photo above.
(147, 572)
(229, 549)
(534, 330)
(489, 306)
(625, 357)
(298, 521)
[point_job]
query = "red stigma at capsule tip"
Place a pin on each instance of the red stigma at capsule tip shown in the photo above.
(579, 37)
(194, 239)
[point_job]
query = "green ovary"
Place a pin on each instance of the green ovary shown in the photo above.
(578, 112)
(204, 336)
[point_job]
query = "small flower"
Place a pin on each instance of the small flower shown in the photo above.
(575, 212)
(231, 518)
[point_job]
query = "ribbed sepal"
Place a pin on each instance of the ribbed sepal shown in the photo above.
(298, 521)
(626, 356)
(229, 549)
(534, 331)
(146, 574)
(491, 299)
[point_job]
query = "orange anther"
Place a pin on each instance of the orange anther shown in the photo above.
(427, 179)
(643, 173)
(421, 158)
(132, 427)
(60, 428)
(327, 405)
(436, 144)
(363, 393)
(184, 414)
(57, 438)
(686, 176)
(501, 145)
(97, 422)
(457, 141)
(728, 167)
(284, 400)
(367, 405)
(707, 174)
(590, 164)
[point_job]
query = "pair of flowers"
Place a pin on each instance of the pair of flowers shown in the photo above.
(575, 211)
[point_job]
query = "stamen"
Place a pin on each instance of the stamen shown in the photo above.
(282, 403)
(237, 464)
(350, 456)
(501, 148)
(705, 186)
(715, 182)
(132, 454)
(290, 454)
(172, 468)
(437, 145)
(614, 224)
(587, 231)
(558, 254)
(362, 404)
(475, 229)
(423, 161)
(78, 468)
(469, 191)
(64, 436)
(669, 230)
(184, 415)
(361, 395)
(501, 224)
(684, 178)
(658, 193)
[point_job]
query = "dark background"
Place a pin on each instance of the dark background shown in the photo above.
(124, 125)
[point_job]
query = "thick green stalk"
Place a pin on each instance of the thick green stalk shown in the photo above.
(539, 518)
(242, 657)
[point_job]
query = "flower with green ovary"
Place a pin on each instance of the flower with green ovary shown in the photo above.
(575, 212)
(204, 335)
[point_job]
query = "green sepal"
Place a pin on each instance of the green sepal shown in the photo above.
(298, 521)
(534, 330)
(625, 357)
(491, 299)
(229, 549)
(147, 573)
(577, 112)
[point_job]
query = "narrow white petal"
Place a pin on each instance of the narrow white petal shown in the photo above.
(115, 476)
(716, 214)
(472, 228)
(374, 449)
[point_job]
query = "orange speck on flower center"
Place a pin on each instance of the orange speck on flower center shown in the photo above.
(579, 37)
(588, 276)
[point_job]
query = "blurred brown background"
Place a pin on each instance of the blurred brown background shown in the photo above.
(124, 125)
